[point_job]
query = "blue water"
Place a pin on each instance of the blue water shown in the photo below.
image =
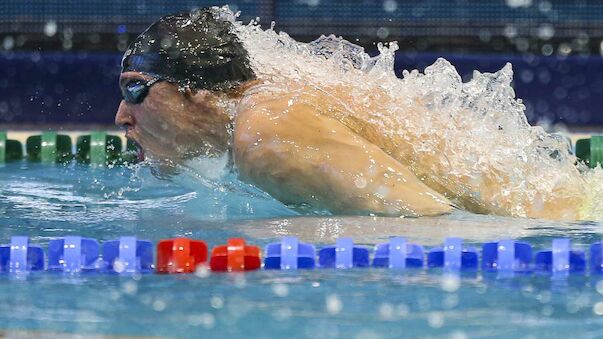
(50, 201)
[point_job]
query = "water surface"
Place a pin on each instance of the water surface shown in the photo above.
(45, 202)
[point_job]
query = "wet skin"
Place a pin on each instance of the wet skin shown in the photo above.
(174, 126)
(292, 150)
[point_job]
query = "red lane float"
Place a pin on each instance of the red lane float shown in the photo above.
(235, 256)
(180, 255)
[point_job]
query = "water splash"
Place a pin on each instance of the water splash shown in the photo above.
(468, 140)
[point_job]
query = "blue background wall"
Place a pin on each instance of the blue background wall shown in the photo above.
(82, 87)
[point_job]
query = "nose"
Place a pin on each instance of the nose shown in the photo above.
(123, 117)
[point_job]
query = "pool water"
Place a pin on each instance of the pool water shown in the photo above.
(45, 202)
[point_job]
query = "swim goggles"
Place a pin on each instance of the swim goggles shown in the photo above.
(135, 91)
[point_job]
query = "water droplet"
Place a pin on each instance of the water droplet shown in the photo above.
(450, 282)
(159, 305)
(202, 271)
(435, 319)
(598, 308)
(386, 311)
(390, 6)
(519, 3)
(382, 33)
(280, 290)
(333, 304)
(130, 287)
(8, 43)
(50, 29)
(216, 302)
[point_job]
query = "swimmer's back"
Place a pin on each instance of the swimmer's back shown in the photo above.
(289, 143)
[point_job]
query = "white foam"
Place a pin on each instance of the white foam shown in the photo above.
(457, 136)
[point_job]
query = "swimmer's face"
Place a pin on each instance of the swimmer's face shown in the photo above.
(172, 125)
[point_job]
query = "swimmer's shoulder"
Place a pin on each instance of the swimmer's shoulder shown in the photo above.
(265, 92)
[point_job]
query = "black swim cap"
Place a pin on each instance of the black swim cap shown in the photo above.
(196, 49)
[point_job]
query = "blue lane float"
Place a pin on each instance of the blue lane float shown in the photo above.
(453, 256)
(398, 254)
(343, 255)
(506, 256)
(289, 254)
(596, 258)
(20, 256)
(73, 254)
(128, 255)
(561, 259)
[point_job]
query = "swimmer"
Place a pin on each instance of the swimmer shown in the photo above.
(189, 91)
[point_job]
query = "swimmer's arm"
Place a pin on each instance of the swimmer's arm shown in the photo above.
(300, 157)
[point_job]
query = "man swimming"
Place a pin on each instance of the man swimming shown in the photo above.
(189, 91)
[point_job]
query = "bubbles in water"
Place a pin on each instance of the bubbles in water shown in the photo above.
(598, 308)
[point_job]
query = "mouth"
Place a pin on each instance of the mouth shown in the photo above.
(139, 150)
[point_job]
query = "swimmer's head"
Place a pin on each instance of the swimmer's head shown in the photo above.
(195, 49)
(178, 81)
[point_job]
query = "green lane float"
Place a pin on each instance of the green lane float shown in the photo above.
(10, 150)
(590, 151)
(99, 149)
(49, 148)
(2, 147)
